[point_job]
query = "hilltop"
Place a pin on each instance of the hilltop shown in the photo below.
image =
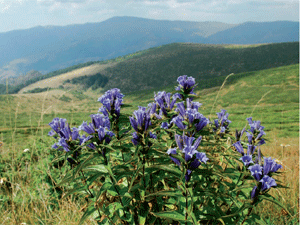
(158, 68)
(50, 48)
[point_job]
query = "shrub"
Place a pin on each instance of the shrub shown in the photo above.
(167, 164)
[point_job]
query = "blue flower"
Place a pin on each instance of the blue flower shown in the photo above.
(222, 122)
(256, 171)
(141, 119)
(238, 146)
(267, 182)
(165, 125)
(256, 132)
(239, 134)
(178, 120)
(246, 159)
(65, 134)
(164, 102)
(254, 192)
(190, 114)
(89, 128)
(112, 101)
(251, 149)
(270, 166)
(186, 84)
(100, 120)
(57, 124)
(188, 147)
(173, 151)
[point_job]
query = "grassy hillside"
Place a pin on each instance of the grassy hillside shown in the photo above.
(270, 95)
(159, 67)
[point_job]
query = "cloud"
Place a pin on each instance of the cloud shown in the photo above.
(18, 14)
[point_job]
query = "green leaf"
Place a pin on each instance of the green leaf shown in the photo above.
(113, 207)
(98, 168)
(69, 177)
(134, 176)
(90, 210)
(82, 189)
(84, 164)
(173, 215)
(105, 187)
(143, 212)
(166, 193)
(170, 169)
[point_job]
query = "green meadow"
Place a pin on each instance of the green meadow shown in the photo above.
(28, 192)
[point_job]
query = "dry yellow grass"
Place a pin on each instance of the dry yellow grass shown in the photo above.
(286, 151)
(55, 82)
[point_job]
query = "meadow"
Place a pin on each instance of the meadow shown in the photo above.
(28, 178)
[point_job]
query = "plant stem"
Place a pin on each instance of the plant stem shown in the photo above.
(144, 172)
(186, 201)
(249, 212)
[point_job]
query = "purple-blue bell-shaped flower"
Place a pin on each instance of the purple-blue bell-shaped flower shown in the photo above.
(165, 125)
(100, 120)
(178, 121)
(246, 159)
(186, 84)
(239, 134)
(222, 122)
(270, 166)
(88, 128)
(173, 151)
(141, 119)
(112, 101)
(238, 146)
(267, 182)
(256, 171)
(254, 192)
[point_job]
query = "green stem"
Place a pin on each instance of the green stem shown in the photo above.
(113, 181)
(249, 212)
(186, 201)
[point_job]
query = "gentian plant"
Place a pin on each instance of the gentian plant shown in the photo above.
(166, 163)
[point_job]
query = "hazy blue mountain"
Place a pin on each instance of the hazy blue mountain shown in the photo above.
(54, 47)
(258, 32)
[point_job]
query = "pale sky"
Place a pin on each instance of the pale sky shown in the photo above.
(23, 14)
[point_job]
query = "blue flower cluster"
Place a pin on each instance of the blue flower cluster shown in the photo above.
(164, 102)
(186, 84)
(261, 173)
(100, 125)
(192, 157)
(189, 114)
(98, 128)
(140, 121)
(187, 117)
(222, 123)
(61, 131)
(112, 101)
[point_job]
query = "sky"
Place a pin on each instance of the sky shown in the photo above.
(23, 14)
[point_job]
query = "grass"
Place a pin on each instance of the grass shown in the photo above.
(26, 190)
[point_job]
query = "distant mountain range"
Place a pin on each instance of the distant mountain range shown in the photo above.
(46, 49)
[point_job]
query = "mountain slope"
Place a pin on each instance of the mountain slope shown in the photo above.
(159, 67)
(257, 32)
(51, 48)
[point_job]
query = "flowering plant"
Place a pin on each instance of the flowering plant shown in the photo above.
(167, 164)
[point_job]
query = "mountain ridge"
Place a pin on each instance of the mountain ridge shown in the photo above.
(51, 48)
(156, 67)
